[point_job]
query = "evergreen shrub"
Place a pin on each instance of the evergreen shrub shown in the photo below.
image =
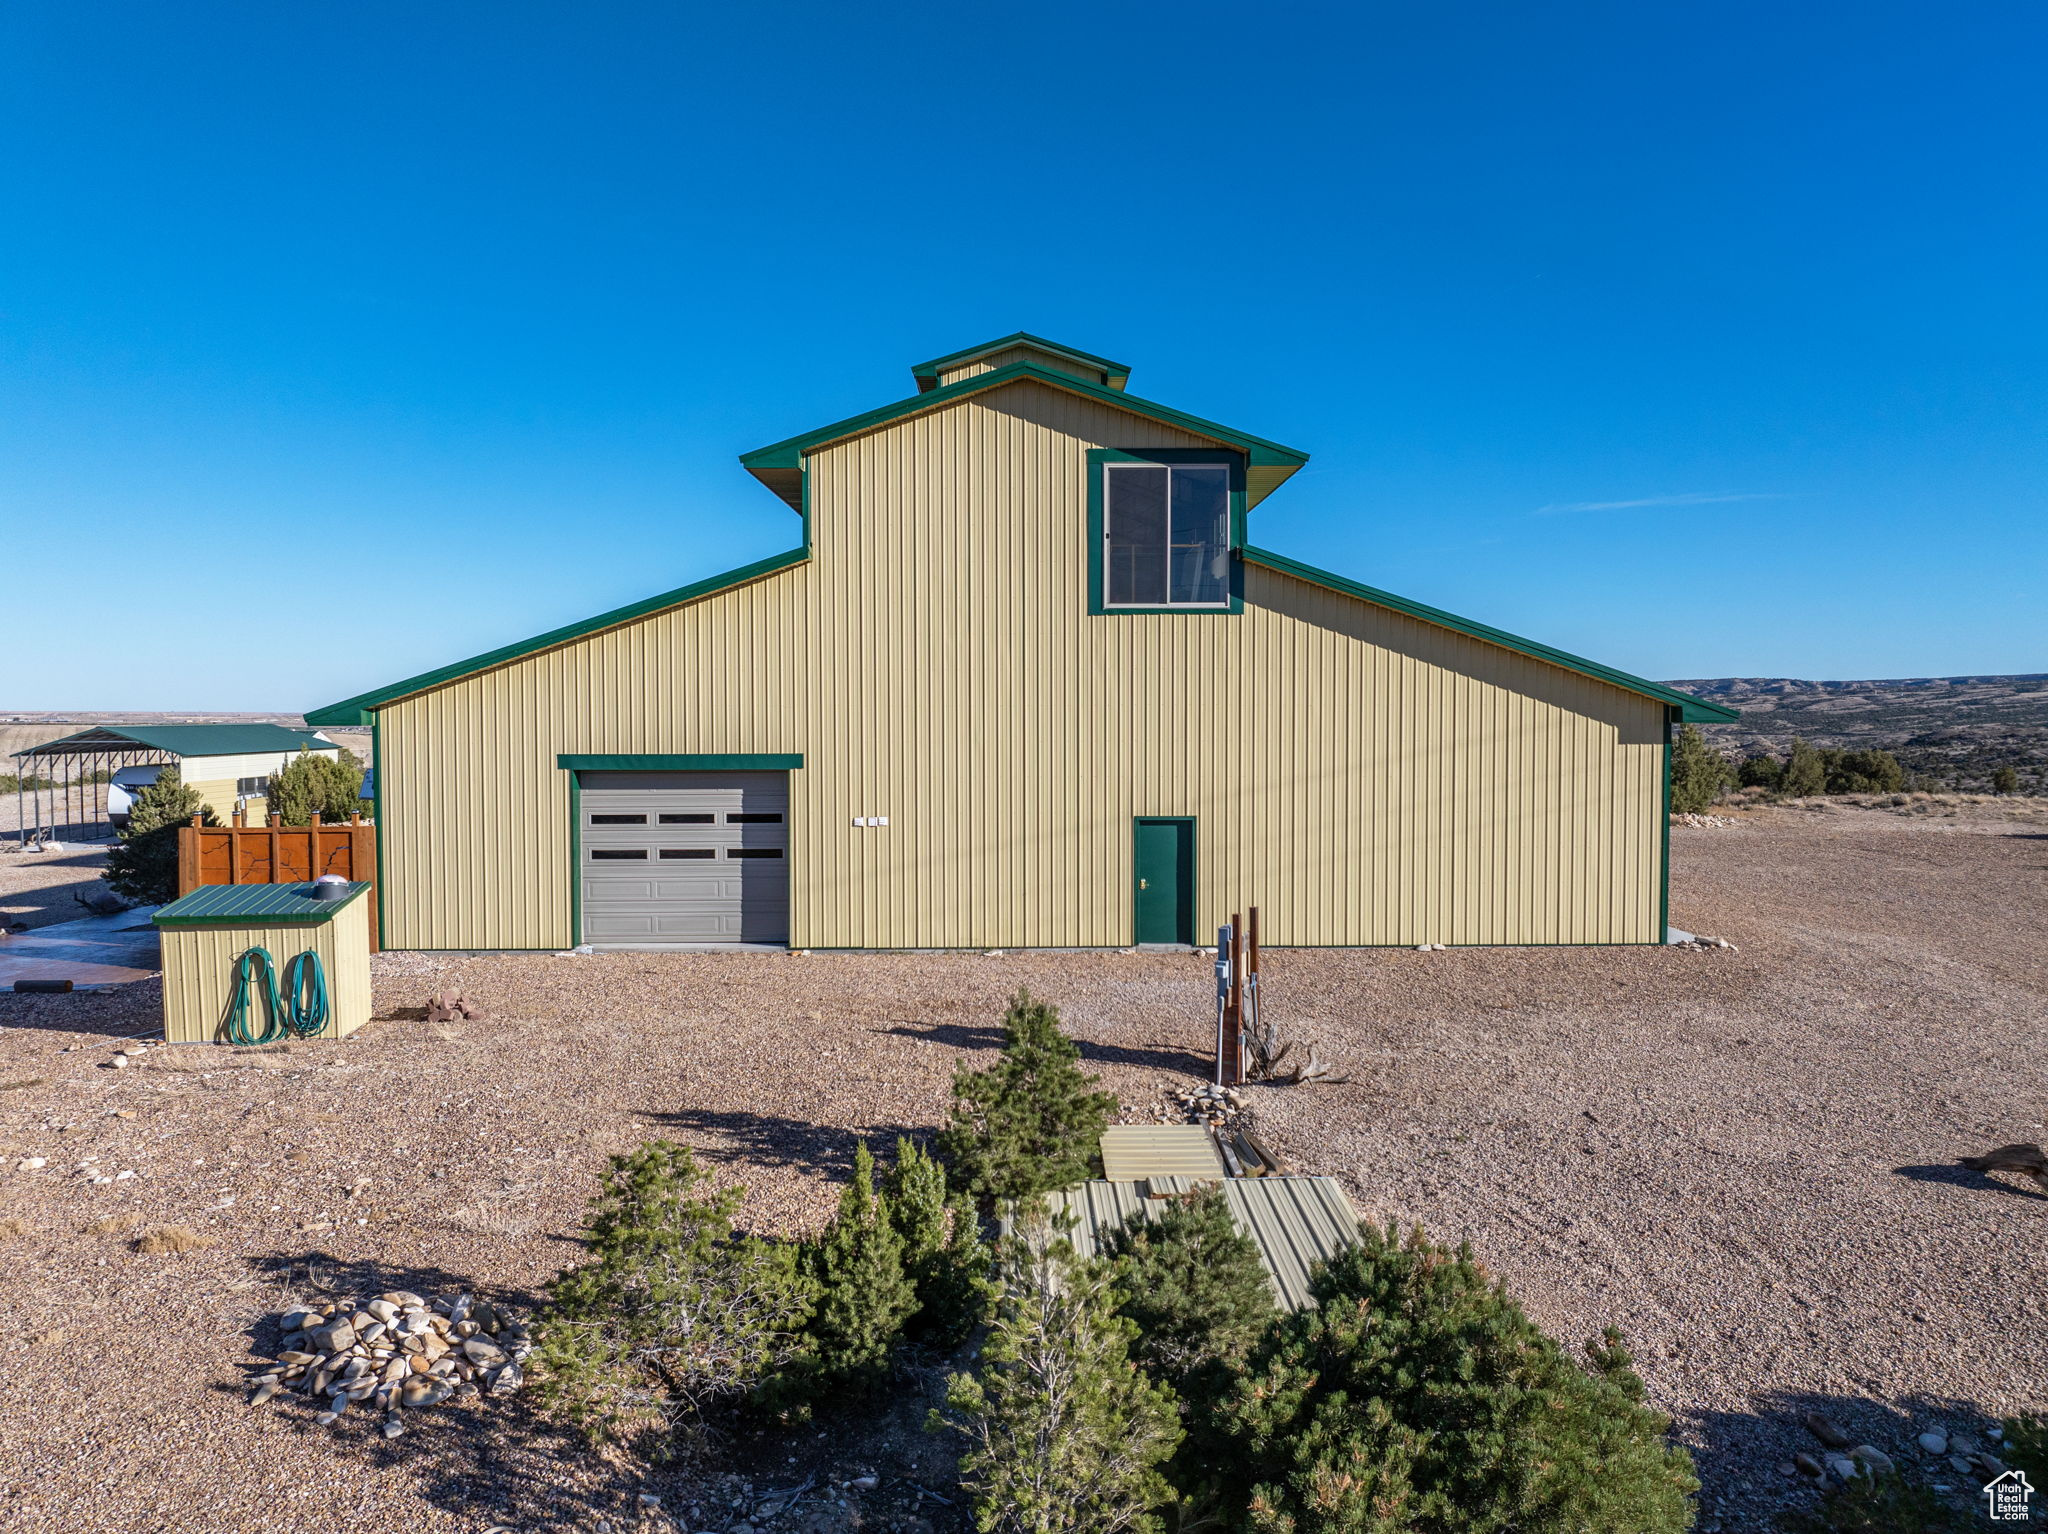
(143, 864)
(309, 787)
(1415, 1397)
(1031, 1122)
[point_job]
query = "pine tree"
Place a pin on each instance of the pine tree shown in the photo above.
(308, 786)
(1806, 771)
(1698, 772)
(2005, 781)
(943, 1252)
(143, 865)
(1197, 1291)
(1414, 1397)
(1761, 770)
(672, 1313)
(1065, 1434)
(1029, 1123)
(864, 1295)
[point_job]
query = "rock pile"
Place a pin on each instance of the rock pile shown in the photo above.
(394, 1353)
(1217, 1107)
(1703, 822)
(1697, 943)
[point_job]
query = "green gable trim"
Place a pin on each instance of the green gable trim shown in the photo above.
(357, 710)
(780, 457)
(1697, 710)
(1097, 457)
(687, 762)
(927, 373)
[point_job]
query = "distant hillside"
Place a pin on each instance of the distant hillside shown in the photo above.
(1956, 728)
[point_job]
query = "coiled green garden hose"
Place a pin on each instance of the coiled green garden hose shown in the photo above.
(301, 1009)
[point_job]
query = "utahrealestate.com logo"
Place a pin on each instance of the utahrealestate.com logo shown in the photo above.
(2008, 1497)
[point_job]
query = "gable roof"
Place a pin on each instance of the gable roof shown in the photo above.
(186, 740)
(927, 373)
(779, 466)
(1690, 708)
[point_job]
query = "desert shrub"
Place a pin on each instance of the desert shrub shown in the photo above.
(310, 785)
(1698, 772)
(863, 1294)
(143, 864)
(1030, 1122)
(1413, 1395)
(943, 1252)
(2005, 780)
(1806, 771)
(163, 1240)
(1760, 770)
(2026, 1447)
(673, 1312)
(1887, 1504)
(1065, 1433)
(1863, 772)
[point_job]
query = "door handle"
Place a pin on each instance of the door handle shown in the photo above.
(1144, 884)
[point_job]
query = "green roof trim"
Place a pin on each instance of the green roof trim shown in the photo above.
(1691, 709)
(254, 905)
(186, 740)
(357, 710)
(771, 464)
(688, 762)
(927, 373)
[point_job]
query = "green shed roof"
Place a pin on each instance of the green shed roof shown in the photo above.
(184, 740)
(252, 904)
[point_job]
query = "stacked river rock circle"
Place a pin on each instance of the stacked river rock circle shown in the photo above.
(396, 1353)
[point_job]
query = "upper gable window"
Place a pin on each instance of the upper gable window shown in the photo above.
(1166, 535)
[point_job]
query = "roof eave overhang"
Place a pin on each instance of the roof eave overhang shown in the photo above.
(779, 466)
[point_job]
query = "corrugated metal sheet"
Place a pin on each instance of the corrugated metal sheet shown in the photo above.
(199, 968)
(1363, 776)
(1296, 1222)
(1133, 1151)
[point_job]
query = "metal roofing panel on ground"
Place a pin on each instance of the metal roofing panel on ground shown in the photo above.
(1295, 1222)
(1131, 1151)
(268, 904)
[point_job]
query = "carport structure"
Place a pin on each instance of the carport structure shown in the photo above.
(69, 801)
(228, 764)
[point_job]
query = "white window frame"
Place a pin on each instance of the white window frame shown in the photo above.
(1109, 522)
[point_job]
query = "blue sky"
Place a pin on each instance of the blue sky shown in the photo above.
(337, 343)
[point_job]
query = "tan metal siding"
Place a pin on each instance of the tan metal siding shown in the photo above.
(199, 968)
(1376, 780)
(1003, 359)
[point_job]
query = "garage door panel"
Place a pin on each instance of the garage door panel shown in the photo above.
(685, 857)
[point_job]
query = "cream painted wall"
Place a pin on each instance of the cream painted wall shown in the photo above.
(1362, 776)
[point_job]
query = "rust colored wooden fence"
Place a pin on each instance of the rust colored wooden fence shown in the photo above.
(275, 854)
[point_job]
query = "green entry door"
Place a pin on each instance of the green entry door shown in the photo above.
(1165, 880)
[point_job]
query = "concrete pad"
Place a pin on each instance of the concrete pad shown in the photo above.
(95, 950)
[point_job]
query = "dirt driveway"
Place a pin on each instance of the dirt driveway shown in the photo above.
(1744, 1159)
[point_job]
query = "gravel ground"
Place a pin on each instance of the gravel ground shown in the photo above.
(1745, 1159)
(38, 888)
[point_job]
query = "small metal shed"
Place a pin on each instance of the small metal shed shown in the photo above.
(1296, 1222)
(206, 933)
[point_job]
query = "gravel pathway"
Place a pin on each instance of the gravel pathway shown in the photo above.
(1746, 1159)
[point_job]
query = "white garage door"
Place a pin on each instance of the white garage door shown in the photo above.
(685, 857)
